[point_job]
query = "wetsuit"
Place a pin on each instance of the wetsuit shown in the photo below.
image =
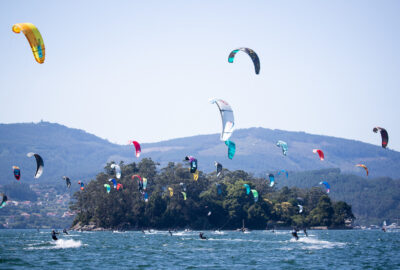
(294, 233)
(65, 231)
(170, 232)
(202, 236)
(53, 235)
(305, 232)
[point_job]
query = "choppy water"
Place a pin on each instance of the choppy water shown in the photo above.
(21, 249)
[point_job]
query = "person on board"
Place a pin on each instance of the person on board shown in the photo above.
(294, 234)
(305, 232)
(65, 231)
(53, 235)
(201, 235)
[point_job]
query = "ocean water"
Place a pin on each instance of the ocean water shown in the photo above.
(27, 249)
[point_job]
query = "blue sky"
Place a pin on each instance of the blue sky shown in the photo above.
(145, 70)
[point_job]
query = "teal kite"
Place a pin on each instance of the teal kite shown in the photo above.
(231, 148)
(284, 147)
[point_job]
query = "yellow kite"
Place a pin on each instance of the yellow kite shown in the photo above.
(34, 38)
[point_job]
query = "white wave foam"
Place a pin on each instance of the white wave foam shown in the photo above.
(60, 243)
(69, 243)
(313, 243)
(180, 233)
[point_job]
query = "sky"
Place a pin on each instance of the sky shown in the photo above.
(146, 70)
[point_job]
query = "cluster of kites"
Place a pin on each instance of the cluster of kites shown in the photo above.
(228, 122)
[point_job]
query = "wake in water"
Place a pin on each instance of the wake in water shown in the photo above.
(313, 243)
(69, 243)
(60, 243)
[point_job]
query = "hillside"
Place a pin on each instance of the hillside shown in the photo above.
(81, 155)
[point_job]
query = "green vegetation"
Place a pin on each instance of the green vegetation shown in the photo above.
(372, 199)
(204, 207)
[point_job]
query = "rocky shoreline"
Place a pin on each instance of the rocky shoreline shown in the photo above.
(86, 228)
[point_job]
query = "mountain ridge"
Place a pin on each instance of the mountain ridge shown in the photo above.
(74, 152)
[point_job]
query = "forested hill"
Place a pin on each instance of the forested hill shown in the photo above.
(81, 155)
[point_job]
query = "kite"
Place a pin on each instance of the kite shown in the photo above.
(117, 170)
(320, 153)
(137, 148)
(327, 186)
(108, 188)
(231, 148)
(363, 166)
(228, 121)
(284, 147)
(17, 172)
(34, 38)
(39, 164)
(271, 180)
(384, 135)
(67, 181)
(251, 53)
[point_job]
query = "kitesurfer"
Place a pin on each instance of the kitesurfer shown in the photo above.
(305, 232)
(65, 231)
(53, 235)
(294, 234)
(201, 235)
(170, 233)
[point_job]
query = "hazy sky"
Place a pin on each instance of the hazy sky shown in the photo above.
(145, 70)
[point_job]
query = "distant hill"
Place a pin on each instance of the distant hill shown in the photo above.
(81, 155)
(256, 152)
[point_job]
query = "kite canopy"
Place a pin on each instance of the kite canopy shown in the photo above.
(363, 166)
(271, 180)
(255, 195)
(117, 170)
(138, 150)
(327, 186)
(384, 135)
(283, 171)
(231, 148)
(284, 147)
(228, 121)
(219, 189)
(34, 38)
(4, 200)
(219, 168)
(300, 208)
(108, 188)
(247, 188)
(113, 181)
(171, 191)
(67, 181)
(119, 186)
(39, 164)
(183, 186)
(184, 195)
(144, 183)
(251, 53)
(196, 175)
(17, 172)
(82, 185)
(320, 153)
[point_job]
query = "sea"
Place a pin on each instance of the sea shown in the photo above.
(322, 249)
